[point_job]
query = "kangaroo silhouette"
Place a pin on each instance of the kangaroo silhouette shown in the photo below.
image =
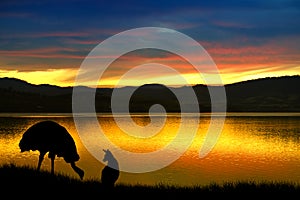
(110, 172)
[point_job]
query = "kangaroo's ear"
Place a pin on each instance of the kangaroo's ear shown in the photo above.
(104, 150)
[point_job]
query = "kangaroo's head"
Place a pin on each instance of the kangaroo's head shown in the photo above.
(108, 155)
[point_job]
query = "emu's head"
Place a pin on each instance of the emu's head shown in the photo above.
(23, 146)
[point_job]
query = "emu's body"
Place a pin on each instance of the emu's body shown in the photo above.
(110, 172)
(49, 136)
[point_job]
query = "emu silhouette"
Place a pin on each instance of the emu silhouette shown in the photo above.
(49, 136)
(110, 172)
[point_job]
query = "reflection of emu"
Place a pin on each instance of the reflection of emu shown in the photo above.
(48, 136)
(110, 172)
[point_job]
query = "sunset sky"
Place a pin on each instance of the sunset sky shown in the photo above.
(46, 41)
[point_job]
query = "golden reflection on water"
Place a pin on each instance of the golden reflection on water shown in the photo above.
(137, 144)
(249, 148)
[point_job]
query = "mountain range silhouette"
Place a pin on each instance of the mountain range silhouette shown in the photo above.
(272, 94)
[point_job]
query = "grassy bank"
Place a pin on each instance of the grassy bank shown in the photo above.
(28, 182)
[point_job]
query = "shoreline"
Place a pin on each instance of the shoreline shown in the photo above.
(26, 178)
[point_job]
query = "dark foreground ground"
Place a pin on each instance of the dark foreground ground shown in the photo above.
(26, 182)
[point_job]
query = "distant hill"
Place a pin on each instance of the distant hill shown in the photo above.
(280, 94)
(268, 94)
(17, 85)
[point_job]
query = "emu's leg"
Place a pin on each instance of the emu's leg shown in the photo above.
(41, 158)
(79, 171)
(52, 157)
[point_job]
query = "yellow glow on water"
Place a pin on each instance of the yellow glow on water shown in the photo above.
(248, 148)
(138, 144)
(243, 153)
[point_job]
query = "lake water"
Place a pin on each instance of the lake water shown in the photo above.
(251, 146)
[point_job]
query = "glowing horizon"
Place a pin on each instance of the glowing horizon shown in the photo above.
(231, 70)
(234, 65)
(53, 77)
